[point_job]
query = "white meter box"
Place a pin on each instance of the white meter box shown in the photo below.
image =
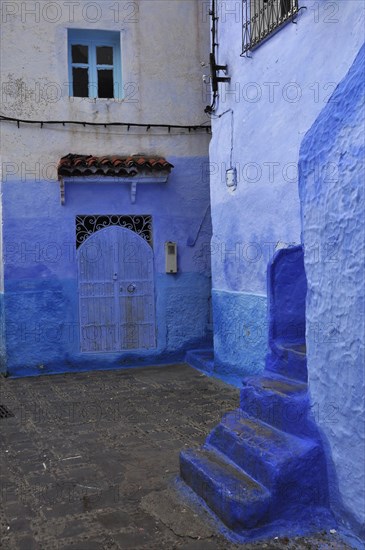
(171, 257)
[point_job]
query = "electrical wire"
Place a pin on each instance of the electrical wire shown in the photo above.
(209, 109)
(128, 125)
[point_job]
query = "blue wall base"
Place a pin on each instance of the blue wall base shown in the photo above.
(240, 332)
(95, 363)
(64, 369)
(3, 367)
(43, 330)
(203, 361)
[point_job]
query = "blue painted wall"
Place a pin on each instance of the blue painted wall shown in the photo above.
(332, 195)
(2, 314)
(41, 296)
(2, 335)
(240, 332)
(262, 115)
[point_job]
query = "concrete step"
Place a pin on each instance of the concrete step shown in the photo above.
(239, 501)
(291, 467)
(277, 401)
(202, 359)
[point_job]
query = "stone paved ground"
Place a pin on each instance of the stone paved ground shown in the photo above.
(89, 461)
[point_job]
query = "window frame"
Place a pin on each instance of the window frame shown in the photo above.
(265, 9)
(93, 39)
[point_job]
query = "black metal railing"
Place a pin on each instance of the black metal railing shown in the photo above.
(261, 18)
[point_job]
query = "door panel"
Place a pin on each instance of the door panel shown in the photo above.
(116, 292)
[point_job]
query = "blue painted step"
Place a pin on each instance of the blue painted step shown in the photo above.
(288, 360)
(256, 477)
(238, 500)
(262, 469)
(276, 459)
(202, 359)
(278, 401)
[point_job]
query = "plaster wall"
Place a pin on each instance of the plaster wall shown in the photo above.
(162, 79)
(2, 314)
(262, 115)
(333, 236)
(41, 294)
(1, 244)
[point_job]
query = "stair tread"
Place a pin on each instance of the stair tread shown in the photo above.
(270, 441)
(299, 349)
(283, 386)
(238, 485)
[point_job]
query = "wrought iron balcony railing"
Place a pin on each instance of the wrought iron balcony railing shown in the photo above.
(261, 18)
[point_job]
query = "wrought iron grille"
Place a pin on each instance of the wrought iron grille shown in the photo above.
(87, 225)
(261, 18)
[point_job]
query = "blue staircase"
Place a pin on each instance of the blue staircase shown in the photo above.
(262, 469)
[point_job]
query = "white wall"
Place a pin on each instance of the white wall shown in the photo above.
(276, 94)
(273, 98)
(163, 45)
(1, 243)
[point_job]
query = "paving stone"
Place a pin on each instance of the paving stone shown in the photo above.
(119, 434)
(132, 540)
(81, 545)
(27, 543)
(19, 523)
(114, 520)
(74, 528)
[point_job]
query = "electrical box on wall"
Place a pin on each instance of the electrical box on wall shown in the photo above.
(171, 257)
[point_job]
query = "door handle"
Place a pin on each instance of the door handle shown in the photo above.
(131, 288)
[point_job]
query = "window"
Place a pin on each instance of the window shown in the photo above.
(263, 18)
(94, 64)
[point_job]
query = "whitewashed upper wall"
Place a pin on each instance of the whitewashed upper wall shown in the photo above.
(163, 47)
(276, 95)
(1, 250)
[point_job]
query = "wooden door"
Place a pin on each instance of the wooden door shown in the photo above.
(116, 292)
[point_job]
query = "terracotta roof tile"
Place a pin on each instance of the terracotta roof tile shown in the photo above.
(87, 165)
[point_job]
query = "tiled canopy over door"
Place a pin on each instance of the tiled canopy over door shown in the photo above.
(116, 292)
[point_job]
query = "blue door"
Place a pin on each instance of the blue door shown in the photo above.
(116, 292)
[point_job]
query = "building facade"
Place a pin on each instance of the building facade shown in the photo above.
(102, 223)
(277, 90)
(286, 168)
(106, 237)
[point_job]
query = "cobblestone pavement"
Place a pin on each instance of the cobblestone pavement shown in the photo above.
(89, 461)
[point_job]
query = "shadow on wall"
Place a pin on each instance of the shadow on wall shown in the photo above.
(287, 291)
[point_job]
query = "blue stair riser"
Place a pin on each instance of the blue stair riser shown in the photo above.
(290, 364)
(270, 471)
(288, 414)
(226, 500)
(201, 359)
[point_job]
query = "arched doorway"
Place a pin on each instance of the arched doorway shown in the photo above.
(116, 292)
